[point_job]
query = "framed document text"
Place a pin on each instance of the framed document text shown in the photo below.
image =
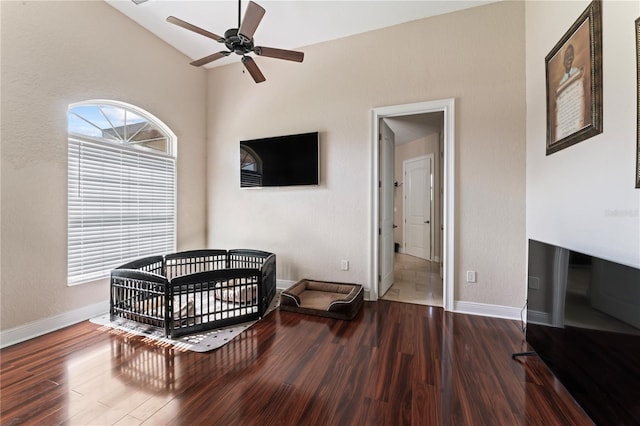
(574, 82)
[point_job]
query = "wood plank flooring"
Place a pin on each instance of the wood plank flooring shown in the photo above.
(394, 364)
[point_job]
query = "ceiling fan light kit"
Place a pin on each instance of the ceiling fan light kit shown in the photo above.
(240, 41)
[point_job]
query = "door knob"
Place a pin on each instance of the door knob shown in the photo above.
(426, 221)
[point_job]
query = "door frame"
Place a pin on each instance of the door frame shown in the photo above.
(387, 229)
(430, 158)
(447, 106)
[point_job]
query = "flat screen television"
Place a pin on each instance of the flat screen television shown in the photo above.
(583, 320)
(280, 161)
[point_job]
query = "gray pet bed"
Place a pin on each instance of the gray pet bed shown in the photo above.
(326, 299)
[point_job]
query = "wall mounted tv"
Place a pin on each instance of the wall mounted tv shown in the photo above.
(583, 320)
(280, 161)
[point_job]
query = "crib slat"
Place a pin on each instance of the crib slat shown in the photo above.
(189, 297)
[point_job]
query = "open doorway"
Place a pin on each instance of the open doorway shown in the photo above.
(413, 203)
(417, 207)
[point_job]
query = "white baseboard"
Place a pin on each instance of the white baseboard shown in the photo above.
(367, 295)
(284, 284)
(538, 317)
(47, 325)
(486, 310)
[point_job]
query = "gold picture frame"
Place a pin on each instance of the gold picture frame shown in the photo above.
(638, 103)
(574, 82)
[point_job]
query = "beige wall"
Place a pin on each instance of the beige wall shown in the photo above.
(53, 54)
(475, 56)
(583, 197)
(48, 63)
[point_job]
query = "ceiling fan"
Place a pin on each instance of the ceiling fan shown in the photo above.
(240, 41)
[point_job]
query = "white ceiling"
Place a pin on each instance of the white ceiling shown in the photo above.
(408, 128)
(291, 25)
(286, 24)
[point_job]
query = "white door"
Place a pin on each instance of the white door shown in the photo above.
(387, 146)
(418, 190)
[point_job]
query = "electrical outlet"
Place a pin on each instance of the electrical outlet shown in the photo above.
(471, 276)
(534, 283)
(344, 265)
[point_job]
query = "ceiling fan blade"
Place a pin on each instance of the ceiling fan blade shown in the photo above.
(210, 58)
(253, 69)
(251, 20)
(271, 52)
(191, 27)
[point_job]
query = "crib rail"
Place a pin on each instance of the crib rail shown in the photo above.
(193, 291)
(266, 262)
(242, 258)
(268, 282)
(219, 298)
(139, 296)
(153, 264)
(190, 262)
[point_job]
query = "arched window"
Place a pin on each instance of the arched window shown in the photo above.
(121, 188)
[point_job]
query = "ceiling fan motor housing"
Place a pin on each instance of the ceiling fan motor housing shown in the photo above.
(237, 43)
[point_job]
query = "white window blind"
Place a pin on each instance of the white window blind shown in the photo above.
(121, 206)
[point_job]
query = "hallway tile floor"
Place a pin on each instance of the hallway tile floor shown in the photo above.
(415, 281)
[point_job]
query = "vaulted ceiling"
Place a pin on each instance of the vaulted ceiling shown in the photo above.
(286, 24)
(290, 25)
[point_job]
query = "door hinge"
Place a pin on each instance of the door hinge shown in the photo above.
(379, 278)
(379, 231)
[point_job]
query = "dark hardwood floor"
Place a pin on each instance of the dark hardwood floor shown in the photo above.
(394, 364)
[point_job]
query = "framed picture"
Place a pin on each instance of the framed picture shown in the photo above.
(638, 102)
(574, 82)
